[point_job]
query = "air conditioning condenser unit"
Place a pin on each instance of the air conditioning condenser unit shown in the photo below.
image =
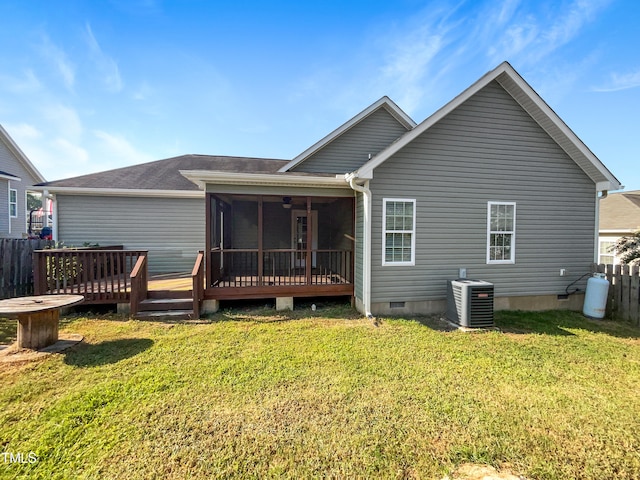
(470, 303)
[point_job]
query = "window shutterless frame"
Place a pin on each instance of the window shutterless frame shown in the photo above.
(501, 232)
(13, 203)
(398, 231)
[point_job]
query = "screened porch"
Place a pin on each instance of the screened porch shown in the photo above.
(279, 245)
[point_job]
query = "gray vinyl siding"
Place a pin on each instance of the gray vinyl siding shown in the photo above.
(10, 164)
(351, 150)
(488, 149)
(358, 261)
(172, 229)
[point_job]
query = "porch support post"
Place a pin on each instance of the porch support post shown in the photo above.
(260, 231)
(208, 224)
(310, 227)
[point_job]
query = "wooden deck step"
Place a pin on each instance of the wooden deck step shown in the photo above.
(165, 315)
(166, 304)
(162, 294)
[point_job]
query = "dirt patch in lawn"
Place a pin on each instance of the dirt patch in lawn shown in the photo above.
(11, 354)
(473, 471)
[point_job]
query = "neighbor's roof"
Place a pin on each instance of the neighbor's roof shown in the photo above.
(162, 175)
(533, 104)
(19, 154)
(620, 211)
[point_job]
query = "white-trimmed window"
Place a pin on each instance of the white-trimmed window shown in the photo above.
(606, 252)
(13, 202)
(399, 231)
(501, 232)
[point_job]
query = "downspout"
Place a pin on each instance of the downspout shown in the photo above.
(596, 249)
(366, 243)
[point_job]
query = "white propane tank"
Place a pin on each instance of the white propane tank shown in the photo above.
(595, 298)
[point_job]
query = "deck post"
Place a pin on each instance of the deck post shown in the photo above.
(309, 263)
(260, 232)
(207, 236)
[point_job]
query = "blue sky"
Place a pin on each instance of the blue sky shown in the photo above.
(93, 85)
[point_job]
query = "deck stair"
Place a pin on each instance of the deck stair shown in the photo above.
(167, 305)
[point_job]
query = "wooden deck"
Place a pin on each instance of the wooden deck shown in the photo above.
(106, 288)
(180, 281)
(121, 276)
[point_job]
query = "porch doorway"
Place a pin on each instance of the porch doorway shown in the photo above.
(299, 234)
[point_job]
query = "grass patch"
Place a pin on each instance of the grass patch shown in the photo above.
(327, 394)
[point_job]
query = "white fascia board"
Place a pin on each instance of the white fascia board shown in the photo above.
(385, 102)
(608, 186)
(13, 146)
(611, 183)
(120, 192)
(13, 178)
(202, 177)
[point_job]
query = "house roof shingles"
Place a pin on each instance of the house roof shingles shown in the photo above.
(165, 174)
(620, 211)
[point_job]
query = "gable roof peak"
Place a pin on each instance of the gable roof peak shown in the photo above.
(385, 102)
(20, 155)
(533, 104)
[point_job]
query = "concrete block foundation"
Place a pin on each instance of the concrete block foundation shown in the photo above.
(284, 303)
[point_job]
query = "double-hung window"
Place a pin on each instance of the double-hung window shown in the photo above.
(607, 252)
(501, 232)
(13, 203)
(399, 231)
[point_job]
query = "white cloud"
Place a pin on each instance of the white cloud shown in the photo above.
(107, 66)
(27, 83)
(415, 60)
(65, 120)
(143, 92)
(58, 58)
(70, 152)
(22, 132)
(533, 36)
(120, 150)
(515, 39)
(619, 82)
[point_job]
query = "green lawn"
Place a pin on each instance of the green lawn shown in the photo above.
(327, 394)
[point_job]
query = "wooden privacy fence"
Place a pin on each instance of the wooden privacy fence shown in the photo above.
(16, 266)
(623, 300)
(102, 275)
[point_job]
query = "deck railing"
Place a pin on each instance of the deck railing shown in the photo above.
(139, 284)
(197, 279)
(101, 275)
(279, 267)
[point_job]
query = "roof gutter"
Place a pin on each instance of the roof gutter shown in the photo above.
(202, 177)
(8, 176)
(366, 250)
(119, 192)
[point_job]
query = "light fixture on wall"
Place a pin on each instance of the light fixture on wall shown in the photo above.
(286, 202)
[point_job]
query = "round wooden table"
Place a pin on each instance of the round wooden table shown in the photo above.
(38, 317)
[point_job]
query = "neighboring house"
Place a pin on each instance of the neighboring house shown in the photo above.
(619, 216)
(17, 175)
(381, 209)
